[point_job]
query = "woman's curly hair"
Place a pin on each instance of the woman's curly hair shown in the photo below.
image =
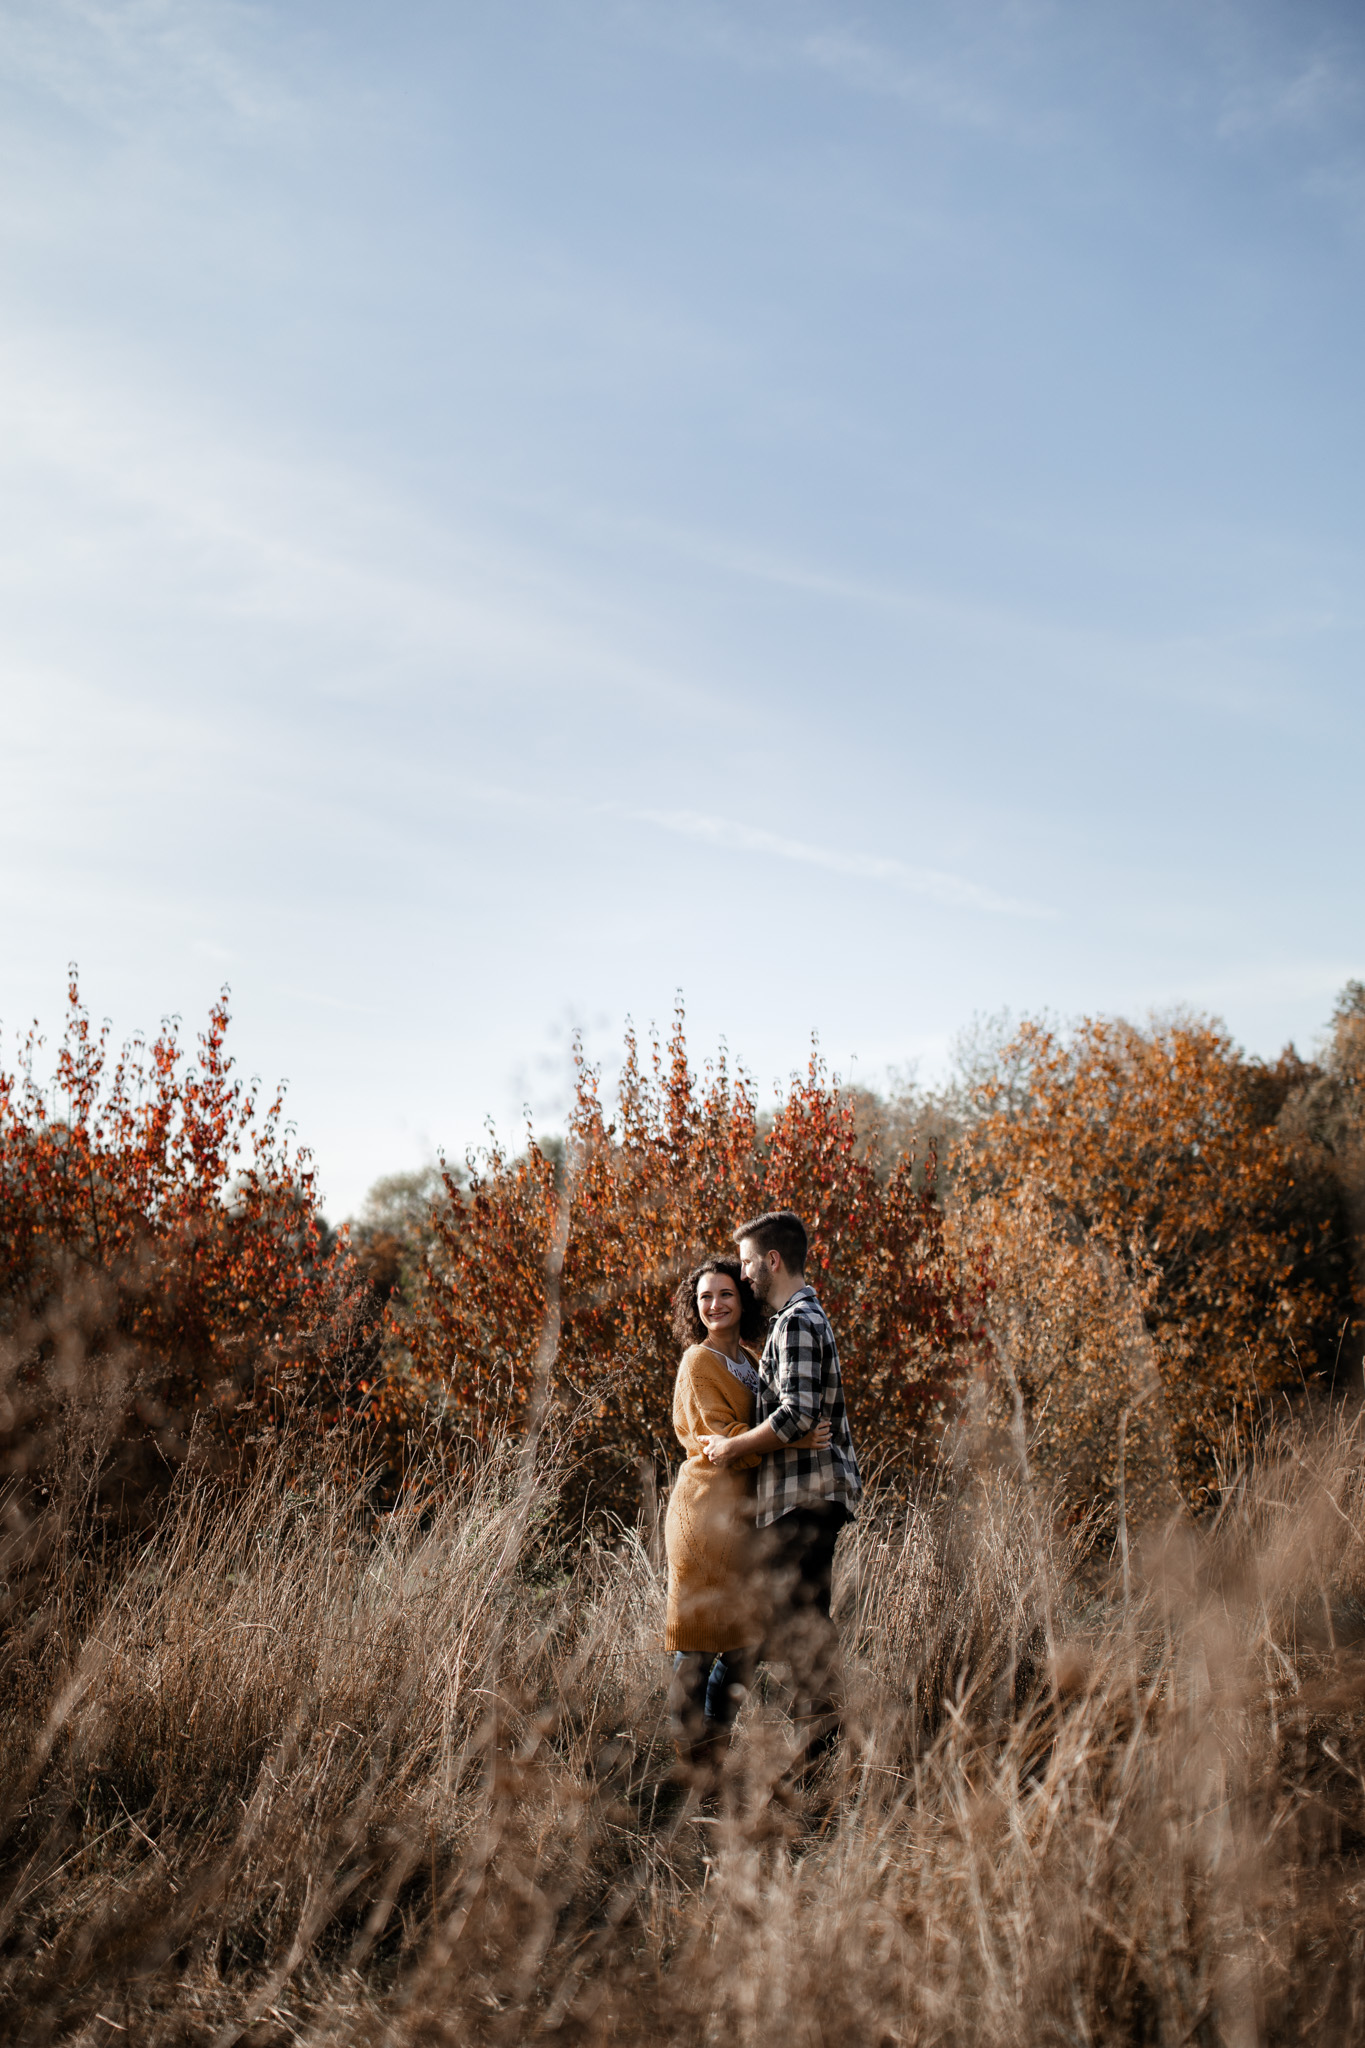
(688, 1326)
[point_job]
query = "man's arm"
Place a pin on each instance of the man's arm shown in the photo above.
(760, 1442)
(708, 1416)
(801, 1391)
(757, 1442)
(800, 1381)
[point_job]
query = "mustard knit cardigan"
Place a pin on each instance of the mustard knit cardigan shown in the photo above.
(712, 1590)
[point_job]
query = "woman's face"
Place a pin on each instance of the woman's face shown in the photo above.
(718, 1303)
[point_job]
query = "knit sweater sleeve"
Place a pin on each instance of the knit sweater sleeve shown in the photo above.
(710, 1401)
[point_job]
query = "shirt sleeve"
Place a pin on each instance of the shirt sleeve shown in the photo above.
(800, 1380)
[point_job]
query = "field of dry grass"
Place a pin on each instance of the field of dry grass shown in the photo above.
(290, 1775)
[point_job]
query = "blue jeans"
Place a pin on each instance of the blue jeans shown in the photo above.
(708, 1686)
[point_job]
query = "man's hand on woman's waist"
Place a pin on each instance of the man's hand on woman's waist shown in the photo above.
(761, 1441)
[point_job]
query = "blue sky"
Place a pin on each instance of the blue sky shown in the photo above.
(854, 512)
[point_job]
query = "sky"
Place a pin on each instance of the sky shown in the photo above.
(849, 512)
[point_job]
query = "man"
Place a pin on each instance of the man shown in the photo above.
(804, 1497)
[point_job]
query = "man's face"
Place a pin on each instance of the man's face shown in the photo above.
(758, 1268)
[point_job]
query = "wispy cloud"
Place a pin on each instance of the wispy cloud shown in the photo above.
(930, 89)
(114, 60)
(155, 504)
(1313, 96)
(1301, 102)
(947, 91)
(932, 885)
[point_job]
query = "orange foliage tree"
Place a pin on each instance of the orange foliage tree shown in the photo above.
(1166, 1157)
(159, 1255)
(667, 1177)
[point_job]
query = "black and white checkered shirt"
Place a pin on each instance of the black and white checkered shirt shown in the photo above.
(798, 1383)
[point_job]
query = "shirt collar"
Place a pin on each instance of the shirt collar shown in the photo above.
(804, 1289)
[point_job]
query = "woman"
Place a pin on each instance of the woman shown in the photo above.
(714, 1618)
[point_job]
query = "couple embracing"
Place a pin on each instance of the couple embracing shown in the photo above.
(770, 1478)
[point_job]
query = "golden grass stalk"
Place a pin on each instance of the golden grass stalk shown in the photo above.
(298, 1773)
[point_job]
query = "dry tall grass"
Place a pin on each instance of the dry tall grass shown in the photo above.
(291, 1777)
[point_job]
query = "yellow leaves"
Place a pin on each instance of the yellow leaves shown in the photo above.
(1160, 1152)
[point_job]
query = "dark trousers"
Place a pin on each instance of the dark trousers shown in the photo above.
(802, 1642)
(708, 1687)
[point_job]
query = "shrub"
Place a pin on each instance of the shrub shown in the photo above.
(1151, 1208)
(593, 1246)
(161, 1264)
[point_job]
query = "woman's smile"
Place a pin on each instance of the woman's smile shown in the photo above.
(718, 1302)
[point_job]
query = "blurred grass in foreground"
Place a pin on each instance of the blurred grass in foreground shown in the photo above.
(289, 1774)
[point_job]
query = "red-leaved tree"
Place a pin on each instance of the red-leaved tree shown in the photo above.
(636, 1198)
(159, 1261)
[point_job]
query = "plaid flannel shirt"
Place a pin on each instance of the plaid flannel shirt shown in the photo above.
(798, 1383)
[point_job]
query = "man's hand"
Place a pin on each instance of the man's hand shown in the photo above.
(723, 1450)
(817, 1439)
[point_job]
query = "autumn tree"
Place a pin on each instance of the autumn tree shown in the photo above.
(160, 1261)
(648, 1189)
(1328, 1110)
(1150, 1193)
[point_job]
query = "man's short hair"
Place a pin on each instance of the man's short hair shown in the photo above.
(780, 1231)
